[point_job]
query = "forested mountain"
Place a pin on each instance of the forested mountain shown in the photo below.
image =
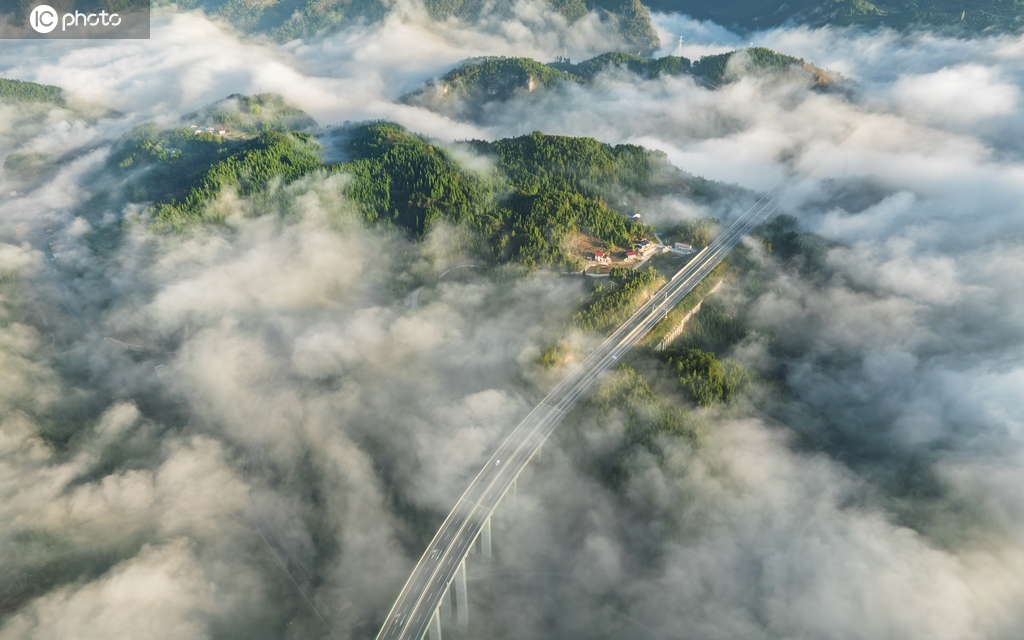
(541, 193)
(29, 107)
(158, 164)
(726, 67)
(20, 91)
(288, 19)
(542, 189)
(955, 17)
(642, 67)
(467, 90)
(464, 91)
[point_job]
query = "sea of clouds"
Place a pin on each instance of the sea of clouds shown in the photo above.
(300, 423)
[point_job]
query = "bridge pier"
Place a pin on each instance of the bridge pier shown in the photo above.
(435, 626)
(446, 605)
(461, 597)
(485, 538)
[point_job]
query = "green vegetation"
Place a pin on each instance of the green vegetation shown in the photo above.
(647, 415)
(468, 88)
(616, 303)
(642, 420)
(554, 355)
(716, 69)
(644, 67)
(26, 164)
(537, 162)
(20, 91)
(698, 232)
(688, 303)
(401, 179)
(711, 329)
(782, 238)
(499, 76)
(161, 164)
(247, 171)
(465, 90)
(542, 190)
(541, 197)
(633, 22)
(705, 378)
(288, 19)
(954, 17)
(253, 114)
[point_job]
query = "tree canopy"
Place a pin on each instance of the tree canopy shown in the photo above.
(716, 69)
(21, 91)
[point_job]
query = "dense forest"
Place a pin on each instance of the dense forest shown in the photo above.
(956, 18)
(542, 193)
(656, 401)
(467, 90)
(725, 67)
(643, 67)
(542, 190)
(286, 20)
(20, 91)
(253, 114)
(618, 300)
(247, 171)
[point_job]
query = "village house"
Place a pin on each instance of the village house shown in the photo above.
(644, 246)
(217, 131)
(601, 256)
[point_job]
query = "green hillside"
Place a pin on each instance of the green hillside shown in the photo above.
(20, 91)
(253, 114)
(540, 197)
(541, 193)
(725, 67)
(954, 17)
(465, 91)
(247, 170)
(542, 189)
(643, 67)
(159, 164)
(289, 19)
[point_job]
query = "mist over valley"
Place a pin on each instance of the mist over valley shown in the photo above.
(720, 307)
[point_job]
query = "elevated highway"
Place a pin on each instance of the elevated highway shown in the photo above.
(442, 563)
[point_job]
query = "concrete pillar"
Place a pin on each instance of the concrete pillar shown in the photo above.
(446, 605)
(485, 538)
(461, 597)
(435, 626)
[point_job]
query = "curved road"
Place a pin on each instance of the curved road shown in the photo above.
(412, 612)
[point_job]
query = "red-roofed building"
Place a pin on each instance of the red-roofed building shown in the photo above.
(601, 256)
